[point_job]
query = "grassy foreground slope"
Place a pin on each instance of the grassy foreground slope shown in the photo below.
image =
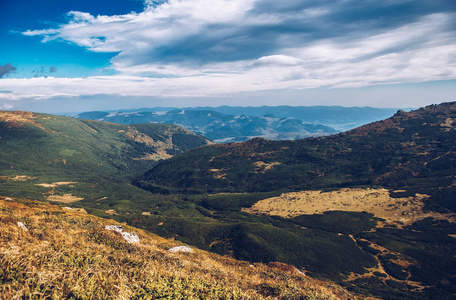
(65, 254)
(46, 155)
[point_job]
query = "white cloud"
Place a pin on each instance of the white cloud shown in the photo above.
(278, 60)
(216, 47)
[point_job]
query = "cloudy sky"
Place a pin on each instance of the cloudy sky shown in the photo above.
(79, 55)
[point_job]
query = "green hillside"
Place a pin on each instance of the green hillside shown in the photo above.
(39, 152)
(409, 154)
(398, 244)
(414, 150)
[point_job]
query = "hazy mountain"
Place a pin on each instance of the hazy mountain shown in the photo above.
(339, 117)
(218, 126)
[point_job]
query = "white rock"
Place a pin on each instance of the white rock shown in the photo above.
(181, 249)
(8, 199)
(117, 228)
(22, 226)
(130, 237)
(300, 272)
(69, 208)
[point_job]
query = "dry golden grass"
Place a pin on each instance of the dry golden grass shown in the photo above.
(55, 184)
(66, 198)
(17, 119)
(217, 173)
(262, 167)
(161, 147)
(17, 178)
(377, 201)
(65, 254)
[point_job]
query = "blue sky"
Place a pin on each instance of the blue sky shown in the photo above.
(83, 55)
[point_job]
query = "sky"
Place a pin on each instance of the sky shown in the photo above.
(80, 55)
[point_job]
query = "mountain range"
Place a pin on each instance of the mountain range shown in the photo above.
(236, 124)
(397, 174)
(414, 149)
(217, 126)
(339, 117)
(371, 209)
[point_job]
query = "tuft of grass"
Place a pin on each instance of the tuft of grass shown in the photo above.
(69, 255)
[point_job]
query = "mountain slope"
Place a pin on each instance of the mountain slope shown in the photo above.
(218, 126)
(47, 148)
(386, 188)
(338, 117)
(414, 150)
(58, 253)
(386, 257)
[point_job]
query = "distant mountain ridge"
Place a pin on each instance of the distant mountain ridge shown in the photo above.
(225, 124)
(339, 117)
(218, 126)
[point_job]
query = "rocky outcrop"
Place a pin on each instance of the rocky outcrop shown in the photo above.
(130, 237)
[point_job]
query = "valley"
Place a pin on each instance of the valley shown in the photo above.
(228, 149)
(371, 209)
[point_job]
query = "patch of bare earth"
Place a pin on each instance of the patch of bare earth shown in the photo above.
(160, 147)
(262, 167)
(111, 212)
(66, 198)
(17, 178)
(218, 174)
(55, 184)
(376, 201)
(153, 156)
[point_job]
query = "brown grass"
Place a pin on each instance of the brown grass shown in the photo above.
(55, 184)
(17, 178)
(69, 255)
(377, 201)
(217, 173)
(159, 146)
(17, 119)
(66, 198)
(262, 167)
